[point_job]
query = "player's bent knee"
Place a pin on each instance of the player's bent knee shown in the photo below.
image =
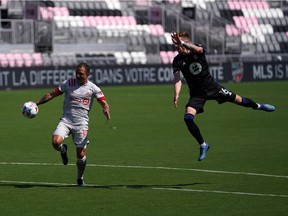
(188, 116)
(81, 153)
(57, 141)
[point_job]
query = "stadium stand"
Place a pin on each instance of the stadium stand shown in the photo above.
(107, 32)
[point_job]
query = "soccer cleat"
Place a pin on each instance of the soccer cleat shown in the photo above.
(80, 182)
(64, 155)
(203, 150)
(267, 107)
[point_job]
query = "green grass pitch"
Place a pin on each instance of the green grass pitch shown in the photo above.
(144, 161)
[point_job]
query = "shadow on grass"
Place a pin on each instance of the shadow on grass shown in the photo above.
(24, 185)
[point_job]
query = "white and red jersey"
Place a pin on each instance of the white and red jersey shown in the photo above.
(78, 99)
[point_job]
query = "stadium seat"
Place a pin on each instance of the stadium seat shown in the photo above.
(86, 21)
(142, 57)
(19, 61)
(11, 59)
(60, 22)
(171, 55)
(156, 29)
(3, 61)
(168, 38)
(4, 3)
(28, 61)
(37, 59)
(132, 20)
(57, 11)
(159, 29)
(135, 57)
(46, 59)
(127, 57)
(164, 57)
(119, 58)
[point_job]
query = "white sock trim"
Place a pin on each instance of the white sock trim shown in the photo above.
(203, 144)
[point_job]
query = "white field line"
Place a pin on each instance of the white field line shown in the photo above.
(153, 188)
(223, 192)
(150, 167)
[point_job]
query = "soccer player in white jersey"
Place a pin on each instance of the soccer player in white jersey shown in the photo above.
(79, 94)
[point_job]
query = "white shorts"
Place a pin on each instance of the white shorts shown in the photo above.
(79, 133)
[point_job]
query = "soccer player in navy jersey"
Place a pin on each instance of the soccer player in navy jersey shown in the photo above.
(79, 96)
(191, 62)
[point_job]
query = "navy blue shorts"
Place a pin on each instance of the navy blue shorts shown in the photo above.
(218, 93)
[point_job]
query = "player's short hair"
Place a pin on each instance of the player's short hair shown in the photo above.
(85, 65)
(184, 34)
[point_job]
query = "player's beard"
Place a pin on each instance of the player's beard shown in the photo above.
(81, 81)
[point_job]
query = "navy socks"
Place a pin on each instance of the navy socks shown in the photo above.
(246, 102)
(193, 128)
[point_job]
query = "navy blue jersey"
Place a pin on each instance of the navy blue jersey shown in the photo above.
(195, 70)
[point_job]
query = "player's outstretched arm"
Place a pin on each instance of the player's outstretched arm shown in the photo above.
(47, 97)
(177, 88)
(106, 108)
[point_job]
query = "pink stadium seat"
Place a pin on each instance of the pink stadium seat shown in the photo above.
(119, 20)
(229, 30)
(37, 58)
(3, 61)
(11, 59)
(159, 29)
(164, 57)
(237, 22)
(143, 2)
(112, 20)
(262, 4)
(105, 20)
(46, 13)
(98, 20)
(19, 61)
(231, 5)
(253, 4)
(92, 21)
(132, 20)
(43, 13)
(86, 21)
(65, 11)
(244, 24)
(4, 2)
(153, 30)
(57, 11)
(125, 20)
(241, 5)
(61, 11)
(28, 61)
(171, 55)
(237, 5)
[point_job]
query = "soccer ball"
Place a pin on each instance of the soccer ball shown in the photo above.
(29, 109)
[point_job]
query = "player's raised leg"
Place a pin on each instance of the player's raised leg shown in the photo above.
(57, 142)
(247, 102)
